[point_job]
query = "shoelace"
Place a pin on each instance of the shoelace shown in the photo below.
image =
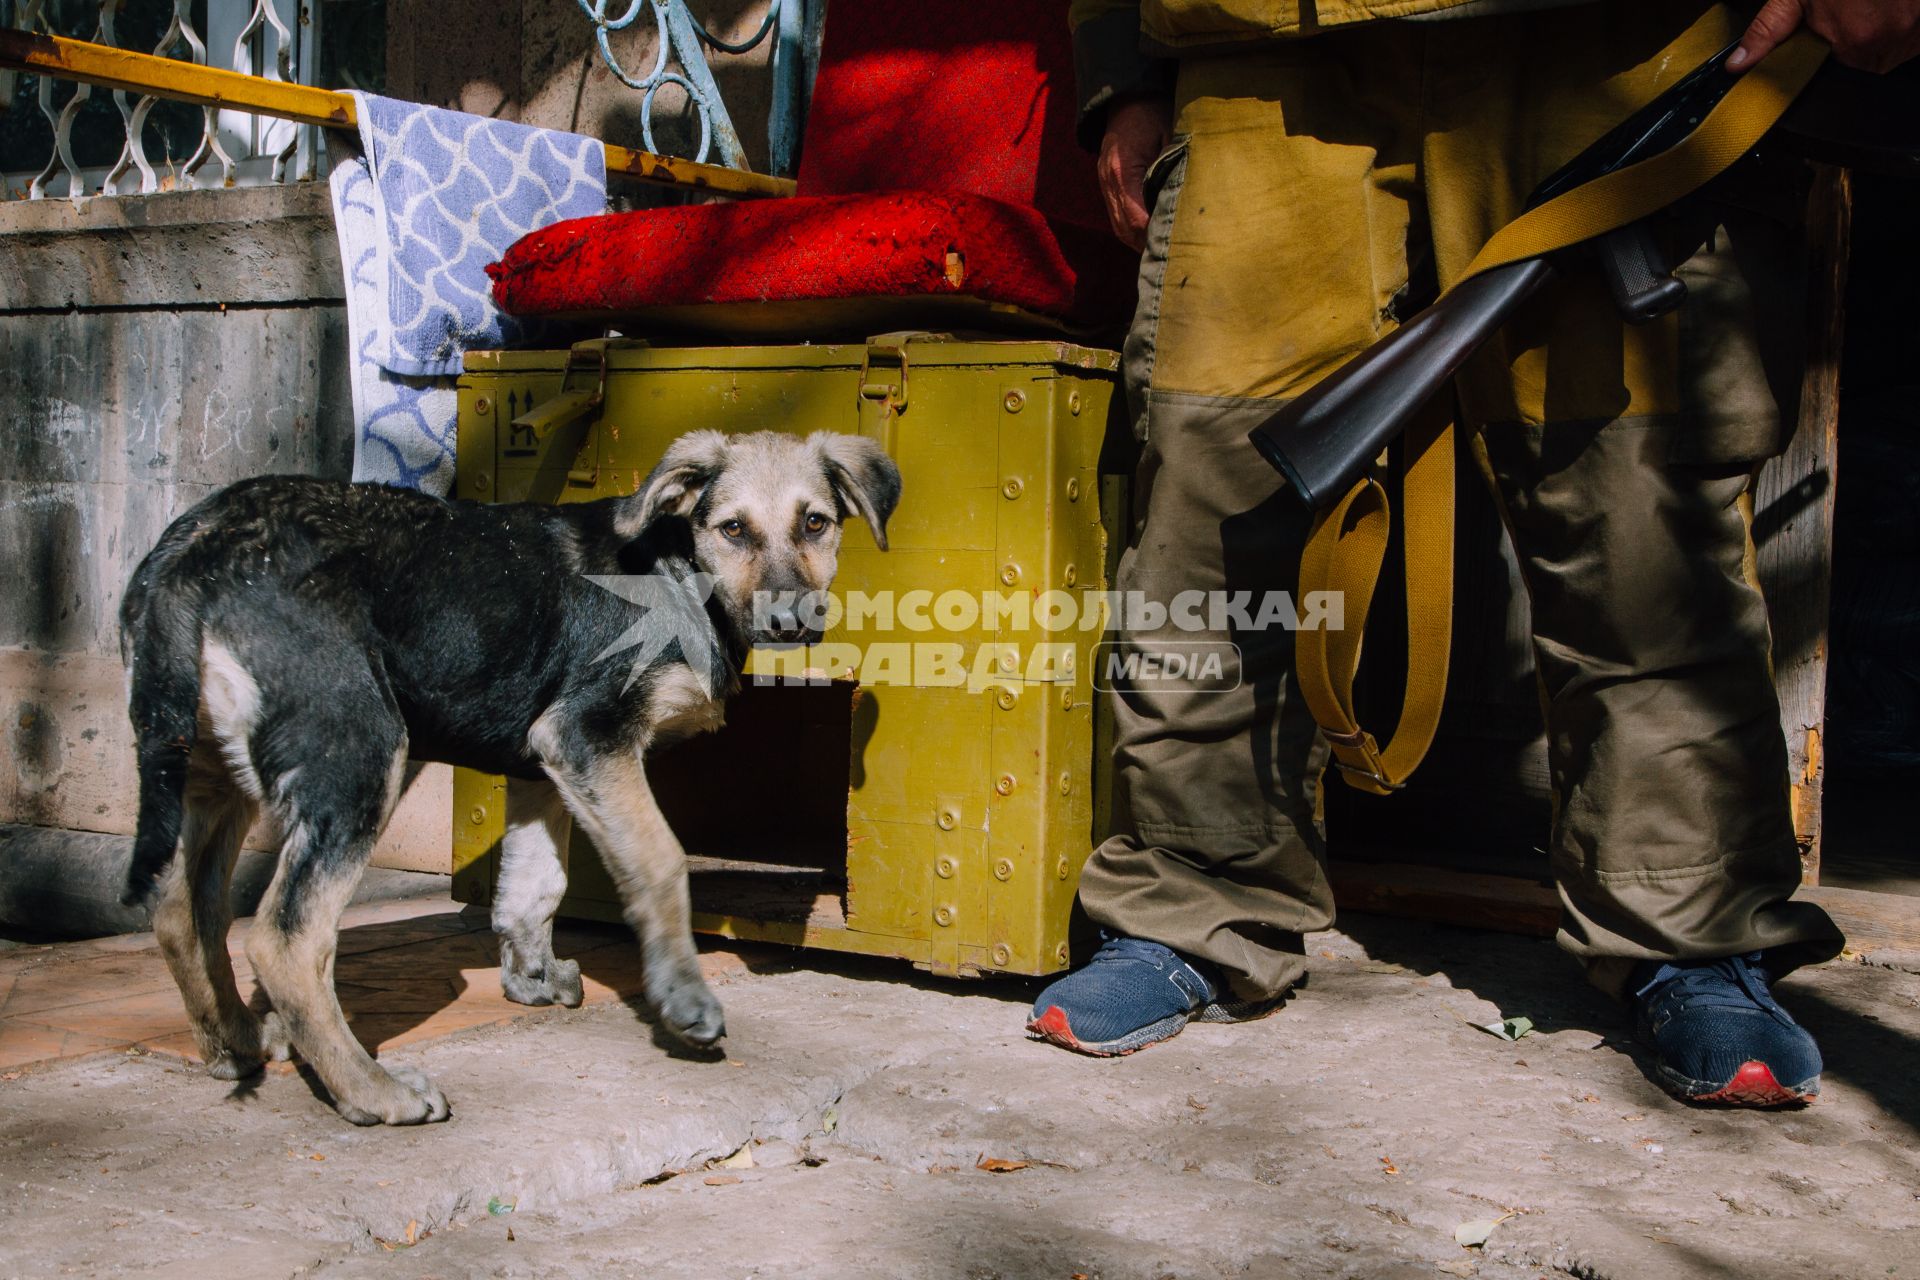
(1706, 985)
(1112, 948)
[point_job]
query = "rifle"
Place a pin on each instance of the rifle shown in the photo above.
(1324, 439)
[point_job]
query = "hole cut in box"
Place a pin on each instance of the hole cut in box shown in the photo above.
(760, 806)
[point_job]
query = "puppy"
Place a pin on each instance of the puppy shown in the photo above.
(293, 642)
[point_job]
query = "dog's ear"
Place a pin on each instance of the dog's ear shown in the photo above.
(676, 483)
(864, 478)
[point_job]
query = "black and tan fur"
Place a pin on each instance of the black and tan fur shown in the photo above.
(292, 642)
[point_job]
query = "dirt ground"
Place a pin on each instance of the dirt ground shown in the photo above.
(870, 1122)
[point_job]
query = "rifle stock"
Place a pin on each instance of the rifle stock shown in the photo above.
(1324, 439)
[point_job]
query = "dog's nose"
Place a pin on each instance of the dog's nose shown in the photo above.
(781, 624)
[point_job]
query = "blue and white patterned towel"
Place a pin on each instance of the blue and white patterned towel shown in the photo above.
(430, 200)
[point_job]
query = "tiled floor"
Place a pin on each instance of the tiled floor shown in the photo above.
(407, 971)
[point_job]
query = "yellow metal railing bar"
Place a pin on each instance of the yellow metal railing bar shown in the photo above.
(179, 81)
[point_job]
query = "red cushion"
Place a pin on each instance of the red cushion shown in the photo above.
(950, 95)
(958, 113)
(894, 244)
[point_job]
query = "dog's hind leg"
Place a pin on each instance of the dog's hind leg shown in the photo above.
(192, 914)
(333, 803)
(533, 877)
(610, 797)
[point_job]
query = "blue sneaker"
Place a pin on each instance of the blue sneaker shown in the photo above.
(1133, 993)
(1718, 1035)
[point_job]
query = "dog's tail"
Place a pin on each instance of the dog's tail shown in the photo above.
(160, 640)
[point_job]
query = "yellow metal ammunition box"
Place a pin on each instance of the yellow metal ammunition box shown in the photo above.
(927, 781)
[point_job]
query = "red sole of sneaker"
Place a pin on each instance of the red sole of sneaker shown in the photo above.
(1753, 1085)
(1051, 1026)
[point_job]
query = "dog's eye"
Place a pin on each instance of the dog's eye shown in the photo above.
(734, 529)
(817, 524)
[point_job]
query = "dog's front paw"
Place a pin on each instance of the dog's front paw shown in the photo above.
(229, 1065)
(247, 1046)
(556, 982)
(691, 1013)
(405, 1096)
(276, 1042)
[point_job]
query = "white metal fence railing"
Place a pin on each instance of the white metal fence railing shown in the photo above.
(138, 130)
(181, 146)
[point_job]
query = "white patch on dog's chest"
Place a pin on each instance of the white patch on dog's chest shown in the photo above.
(678, 706)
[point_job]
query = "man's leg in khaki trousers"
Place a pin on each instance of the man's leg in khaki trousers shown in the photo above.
(1672, 837)
(1216, 853)
(1621, 456)
(1218, 856)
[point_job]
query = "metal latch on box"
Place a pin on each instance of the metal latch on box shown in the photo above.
(875, 382)
(573, 402)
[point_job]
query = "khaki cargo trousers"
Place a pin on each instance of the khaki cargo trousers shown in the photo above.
(1311, 188)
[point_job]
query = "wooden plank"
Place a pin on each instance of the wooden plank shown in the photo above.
(1504, 904)
(180, 81)
(1510, 904)
(1793, 513)
(1872, 921)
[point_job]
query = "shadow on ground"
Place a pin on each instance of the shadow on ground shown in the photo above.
(1526, 977)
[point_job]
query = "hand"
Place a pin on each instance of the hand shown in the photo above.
(1138, 130)
(1873, 35)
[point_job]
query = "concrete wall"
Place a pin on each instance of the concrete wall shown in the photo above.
(152, 350)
